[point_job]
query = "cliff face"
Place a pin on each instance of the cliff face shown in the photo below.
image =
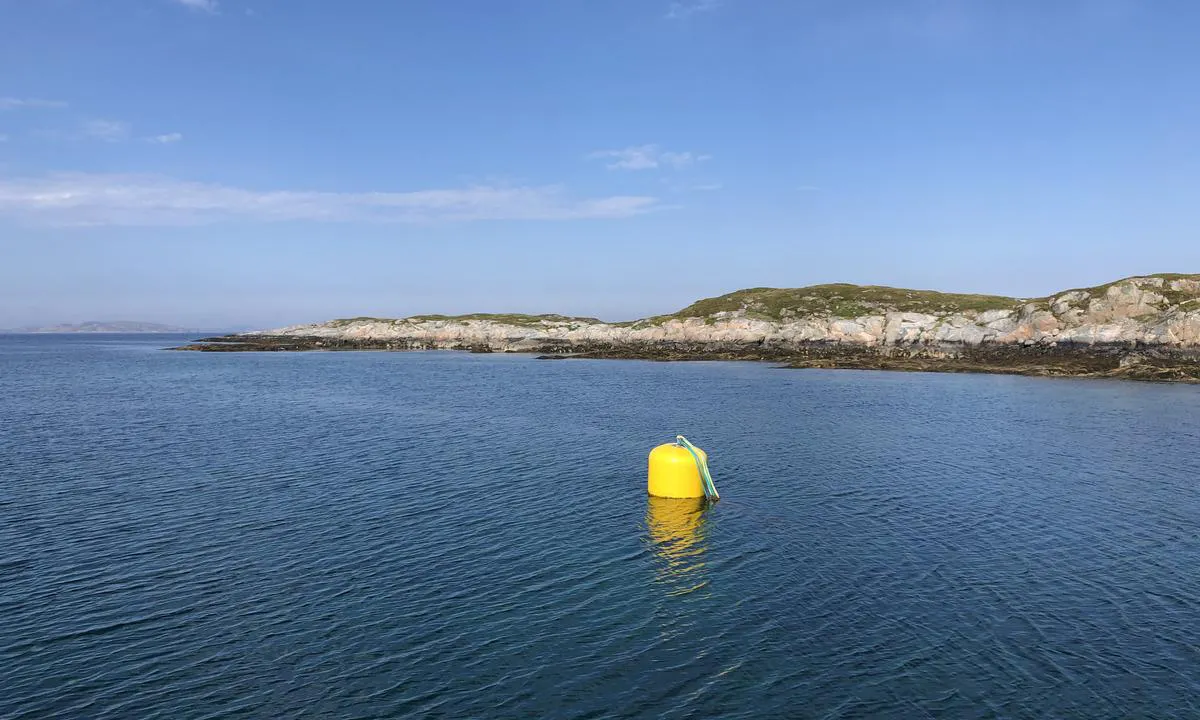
(1153, 311)
(1141, 327)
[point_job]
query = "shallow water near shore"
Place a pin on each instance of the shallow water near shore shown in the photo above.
(364, 534)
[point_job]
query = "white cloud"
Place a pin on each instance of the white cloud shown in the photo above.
(646, 157)
(674, 184)
(687, 8)
(101, 199)
(208, 6)
(12, 103)
(107, 130)
(166, 139)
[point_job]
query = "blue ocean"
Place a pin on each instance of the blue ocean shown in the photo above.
(442, 535)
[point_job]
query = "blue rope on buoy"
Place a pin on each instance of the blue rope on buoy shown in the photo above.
(710, 490)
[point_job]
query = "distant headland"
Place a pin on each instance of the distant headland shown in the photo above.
(1143, 328)
(94, 326)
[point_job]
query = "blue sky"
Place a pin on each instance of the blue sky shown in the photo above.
(261, 162)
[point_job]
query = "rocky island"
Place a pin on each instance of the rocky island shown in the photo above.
(1143, 328)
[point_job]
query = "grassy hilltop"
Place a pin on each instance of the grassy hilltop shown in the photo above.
(831, 300)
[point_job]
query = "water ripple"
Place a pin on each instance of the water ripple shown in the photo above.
(439, 535)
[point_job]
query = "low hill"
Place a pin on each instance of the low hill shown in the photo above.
(851, 301)
(1145, 327)
(116, 326)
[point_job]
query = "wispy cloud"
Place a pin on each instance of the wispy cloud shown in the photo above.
(687, 8)
(208, 6)
(646, 157)
(808, 188)
(3, 138)
(117, 131)
(673, 184)
(106, 130)
(102, 199)
(12, 103)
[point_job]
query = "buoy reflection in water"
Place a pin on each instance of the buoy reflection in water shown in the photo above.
(677, 533)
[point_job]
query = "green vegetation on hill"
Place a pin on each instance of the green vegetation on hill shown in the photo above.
(343, 322)
(842, 300)
(507, 318)
(832, 300)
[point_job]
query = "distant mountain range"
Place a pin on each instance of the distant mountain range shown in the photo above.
(117, 326)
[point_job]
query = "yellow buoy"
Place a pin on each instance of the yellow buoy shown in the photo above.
(673, 472)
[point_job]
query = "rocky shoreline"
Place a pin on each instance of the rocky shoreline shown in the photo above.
(1143, 328)
(1097, 361)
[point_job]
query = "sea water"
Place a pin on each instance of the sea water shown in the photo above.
(188, 535)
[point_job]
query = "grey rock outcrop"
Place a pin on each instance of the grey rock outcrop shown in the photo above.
(1142, 328)
(1153, 311)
